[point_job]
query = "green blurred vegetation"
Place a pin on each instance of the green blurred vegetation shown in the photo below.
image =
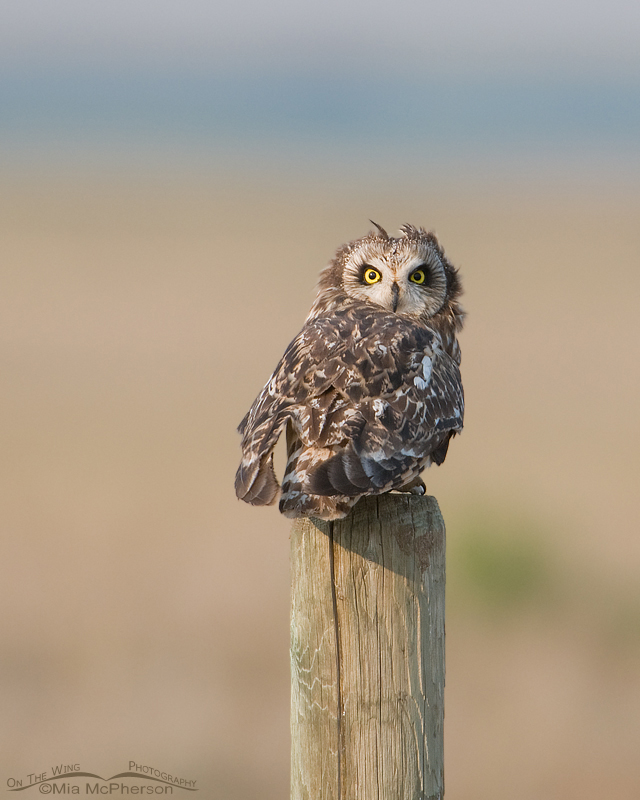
(501, 562)
(504, 565)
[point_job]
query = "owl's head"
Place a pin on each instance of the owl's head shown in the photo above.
(408, 275)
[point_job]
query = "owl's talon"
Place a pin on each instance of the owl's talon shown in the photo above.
(416, 486)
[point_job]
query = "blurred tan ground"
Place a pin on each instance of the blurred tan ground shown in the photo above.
(146, 610)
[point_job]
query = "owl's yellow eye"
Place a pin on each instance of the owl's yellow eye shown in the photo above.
(418, 276)
(371, 275)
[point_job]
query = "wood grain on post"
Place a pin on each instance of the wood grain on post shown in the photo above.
(367, 652)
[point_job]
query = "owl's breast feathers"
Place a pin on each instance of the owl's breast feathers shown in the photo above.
(376, 394)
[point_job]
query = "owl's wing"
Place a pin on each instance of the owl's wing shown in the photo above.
(298, 391)
(410, 406)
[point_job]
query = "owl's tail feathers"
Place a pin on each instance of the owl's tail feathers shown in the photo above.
(342, 474)
(295, 505)
(256, 482)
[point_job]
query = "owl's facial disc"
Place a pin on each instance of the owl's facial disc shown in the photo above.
(406, 278)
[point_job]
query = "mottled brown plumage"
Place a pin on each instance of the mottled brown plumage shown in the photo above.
(369, 392)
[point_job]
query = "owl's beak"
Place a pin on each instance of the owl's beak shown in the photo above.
(395, 292)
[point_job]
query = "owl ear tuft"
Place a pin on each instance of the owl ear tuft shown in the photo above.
(411, 232)
(381, 230)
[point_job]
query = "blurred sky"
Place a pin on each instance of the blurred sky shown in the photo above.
(551, 83)
(459, 34)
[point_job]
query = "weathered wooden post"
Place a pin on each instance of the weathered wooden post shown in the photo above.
(367, 653)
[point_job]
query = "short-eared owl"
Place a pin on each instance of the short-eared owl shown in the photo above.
(369, 391)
